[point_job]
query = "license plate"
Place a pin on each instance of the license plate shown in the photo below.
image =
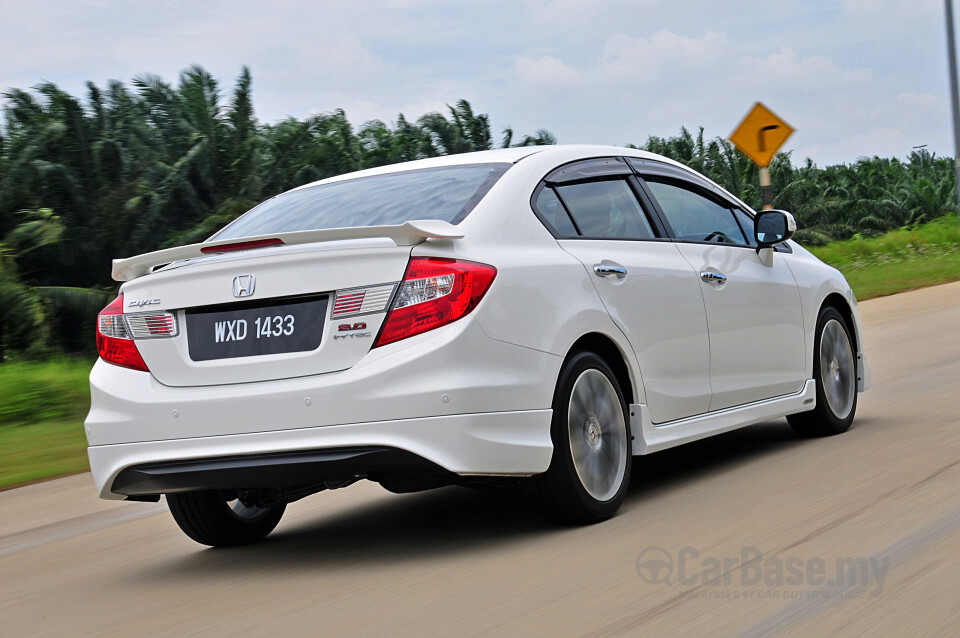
(287, 326)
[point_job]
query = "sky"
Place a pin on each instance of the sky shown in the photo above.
(854, 77)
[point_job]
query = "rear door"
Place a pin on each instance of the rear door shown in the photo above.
(753, 309)
(648, 288)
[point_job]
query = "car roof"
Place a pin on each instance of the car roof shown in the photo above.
(563, 152)
(498, 156)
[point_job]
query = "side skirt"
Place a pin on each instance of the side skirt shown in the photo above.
(648, 437)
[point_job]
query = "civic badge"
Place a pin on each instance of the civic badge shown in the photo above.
(244, 285)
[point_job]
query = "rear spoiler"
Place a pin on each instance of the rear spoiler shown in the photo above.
(406, 234)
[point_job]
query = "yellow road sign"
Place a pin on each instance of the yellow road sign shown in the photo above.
(761, 134)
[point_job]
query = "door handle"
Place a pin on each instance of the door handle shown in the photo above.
(713, 277)
(603, 270)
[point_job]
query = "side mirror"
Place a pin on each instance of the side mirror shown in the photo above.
(772, 227)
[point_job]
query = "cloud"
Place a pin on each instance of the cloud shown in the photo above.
(545, 71)
(342, 58)
(785, 68)
(634, 59)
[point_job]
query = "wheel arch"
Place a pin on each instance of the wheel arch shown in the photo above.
(839, 303)
(608, 350)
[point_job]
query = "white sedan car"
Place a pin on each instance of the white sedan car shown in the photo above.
(530, 315)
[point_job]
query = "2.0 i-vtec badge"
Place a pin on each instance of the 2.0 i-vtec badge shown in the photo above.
(351, 330)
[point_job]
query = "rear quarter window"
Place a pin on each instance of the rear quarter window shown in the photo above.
(553, 213)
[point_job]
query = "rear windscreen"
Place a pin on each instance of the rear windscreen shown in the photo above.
(447, 193)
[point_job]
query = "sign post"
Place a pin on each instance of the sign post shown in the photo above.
(954, 98)
(759, 136)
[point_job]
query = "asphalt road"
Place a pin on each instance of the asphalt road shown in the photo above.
(884, 499)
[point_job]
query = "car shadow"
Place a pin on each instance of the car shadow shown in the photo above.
(693, 462)
(454, 520)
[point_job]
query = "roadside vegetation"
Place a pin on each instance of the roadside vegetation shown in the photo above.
(42, 407)
(132, 167)
(913, 257)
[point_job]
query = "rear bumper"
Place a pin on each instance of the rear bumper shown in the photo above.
(492, 443)
(417, 396)
(453, 370)
(280, 470)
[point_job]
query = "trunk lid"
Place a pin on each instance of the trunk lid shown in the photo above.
(240, 314)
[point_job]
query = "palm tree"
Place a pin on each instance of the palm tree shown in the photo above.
(542, 137)
(25, 309)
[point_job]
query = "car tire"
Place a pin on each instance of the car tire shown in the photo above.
(835, 372)
(212, 518)
(589, 473)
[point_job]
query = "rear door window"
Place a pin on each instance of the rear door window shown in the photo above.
(606, 209)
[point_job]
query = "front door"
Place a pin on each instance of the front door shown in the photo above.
(755, 321)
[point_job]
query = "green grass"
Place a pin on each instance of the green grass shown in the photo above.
(42, 407)
(899, 260)
(29, 453)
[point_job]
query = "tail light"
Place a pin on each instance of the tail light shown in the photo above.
(434, 292)
(116, 332)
